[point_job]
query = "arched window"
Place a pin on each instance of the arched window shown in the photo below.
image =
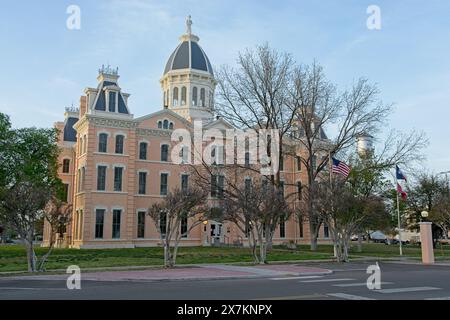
(171, 126)
(119, 144)
(164, 152)
(102, 142)
(194, 96)
(66, 166)
(159, 124)
(183, 96)
(166, 124)
(211, 99)
(202, 97)
(175, 96)
(143, 151)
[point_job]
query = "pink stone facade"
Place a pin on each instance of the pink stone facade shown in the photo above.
(111, 181)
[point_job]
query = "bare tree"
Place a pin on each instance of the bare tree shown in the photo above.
(188, 205)
(58, 215)
(257, 209)
(440, 214)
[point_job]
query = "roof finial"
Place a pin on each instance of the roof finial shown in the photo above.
(189, 25)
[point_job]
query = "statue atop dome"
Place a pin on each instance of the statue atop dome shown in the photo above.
(189, 25)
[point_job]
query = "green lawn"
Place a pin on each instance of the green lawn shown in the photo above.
(13, 257)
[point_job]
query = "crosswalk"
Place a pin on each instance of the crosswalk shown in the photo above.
(348, 283)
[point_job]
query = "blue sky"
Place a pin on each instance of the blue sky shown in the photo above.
(45, 67)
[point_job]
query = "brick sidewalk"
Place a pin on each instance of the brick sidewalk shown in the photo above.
(201, 272)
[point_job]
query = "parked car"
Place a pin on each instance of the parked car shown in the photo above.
(396, 241)
(355, 237)
(378, 237)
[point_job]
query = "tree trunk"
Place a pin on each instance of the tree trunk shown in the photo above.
(360, 242)
(313, 235)
(31, 256)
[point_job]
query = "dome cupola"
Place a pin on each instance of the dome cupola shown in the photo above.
(188, 82)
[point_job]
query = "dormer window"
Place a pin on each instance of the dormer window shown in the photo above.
(112, 101)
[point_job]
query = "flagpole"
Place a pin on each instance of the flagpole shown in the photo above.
(330, 165)
(398, 215)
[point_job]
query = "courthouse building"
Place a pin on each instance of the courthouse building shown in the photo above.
(114, 165)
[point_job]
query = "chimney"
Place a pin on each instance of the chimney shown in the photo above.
(83, 105)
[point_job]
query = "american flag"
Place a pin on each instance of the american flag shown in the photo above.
(340, 167)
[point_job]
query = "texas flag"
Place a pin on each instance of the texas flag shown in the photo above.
(399, 174)
(401, 192)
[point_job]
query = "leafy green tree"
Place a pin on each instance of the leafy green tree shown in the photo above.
(28, 180)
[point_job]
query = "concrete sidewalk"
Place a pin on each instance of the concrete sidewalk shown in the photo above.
(200, 272)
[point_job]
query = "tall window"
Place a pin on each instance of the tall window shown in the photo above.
(301, 227)
(165, 124)
(163, 185)
(314, 162)
(184, 182)
(118, 172)
(194, 96)
(143, 150)
(99, 223)
(299, 163)
(102, 142)
(66, 166)
(116, 223)
(217, 186)
(202, 97)
(247, 159)
(248, 185)
(175, 96)
(159, 124)
(171, 126)
(282, 188)
(101, 178)
(66, 192)
(326, 231)
(281, 162)
(112, 102)
(163, 223)
(299, 190)
(119, 144)
(165, 152)
(282, 227)
(142, 182)
(183, 96)
(184, 226)
(141, 224)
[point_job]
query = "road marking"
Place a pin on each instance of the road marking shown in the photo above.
(309, 296)
(327, 280)
(18, 288)
(356, 284)
(440, 298)
(348, 296)
(297, 278)
(410, 289)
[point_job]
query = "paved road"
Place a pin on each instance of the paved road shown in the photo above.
(348, 281)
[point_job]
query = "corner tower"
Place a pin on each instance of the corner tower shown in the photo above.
(188, 82)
